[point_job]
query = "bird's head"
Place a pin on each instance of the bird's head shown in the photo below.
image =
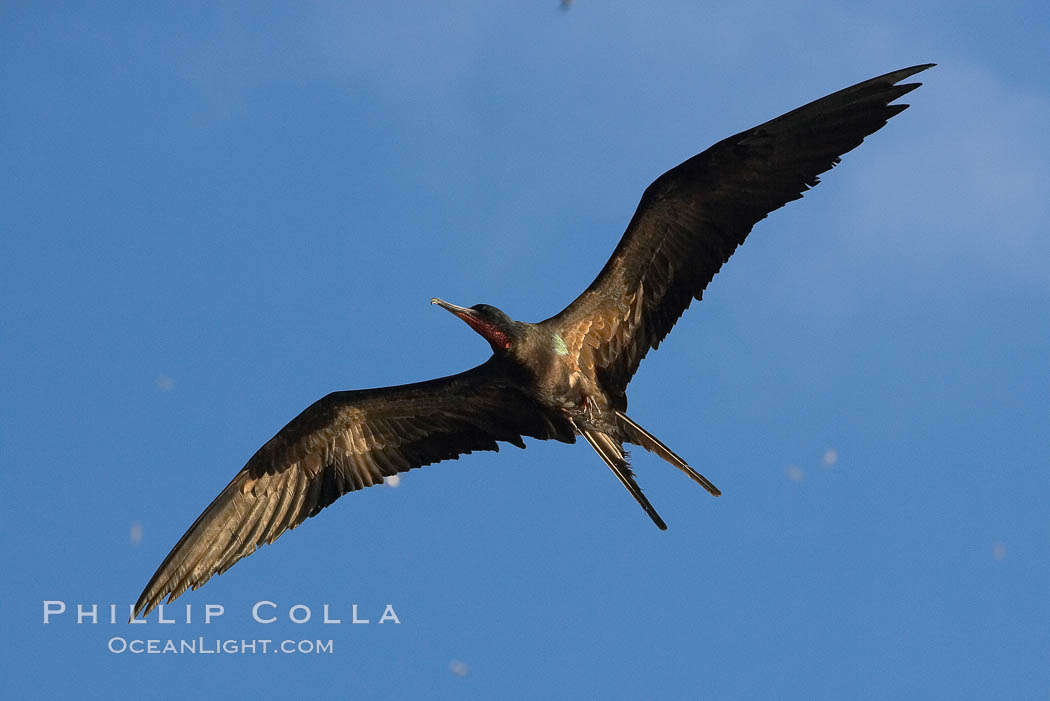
(491, 323)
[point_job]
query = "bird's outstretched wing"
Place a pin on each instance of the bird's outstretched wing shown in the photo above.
(692, 218)
(347, 441)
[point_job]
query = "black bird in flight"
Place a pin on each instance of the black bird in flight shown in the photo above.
(556, 379)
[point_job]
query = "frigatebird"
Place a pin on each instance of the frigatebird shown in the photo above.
(557, 379)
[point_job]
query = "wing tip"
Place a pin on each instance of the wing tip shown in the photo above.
(143, 607)
(895, 77)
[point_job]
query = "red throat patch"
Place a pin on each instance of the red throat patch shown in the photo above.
(489, 332)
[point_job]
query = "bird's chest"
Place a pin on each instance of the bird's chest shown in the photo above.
(561, 378)
(567, 385)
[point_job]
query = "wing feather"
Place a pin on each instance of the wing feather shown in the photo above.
(692, 218)
(344, 442)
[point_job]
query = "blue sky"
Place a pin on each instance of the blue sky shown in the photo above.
(214, 215)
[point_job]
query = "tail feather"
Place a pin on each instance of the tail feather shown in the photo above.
(639, 436)
(611, 451)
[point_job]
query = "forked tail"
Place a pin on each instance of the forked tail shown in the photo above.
(639, 436)
(611, 451)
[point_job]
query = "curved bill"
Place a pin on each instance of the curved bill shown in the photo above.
(454, 308)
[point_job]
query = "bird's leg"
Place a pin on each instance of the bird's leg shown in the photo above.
(590, 407)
